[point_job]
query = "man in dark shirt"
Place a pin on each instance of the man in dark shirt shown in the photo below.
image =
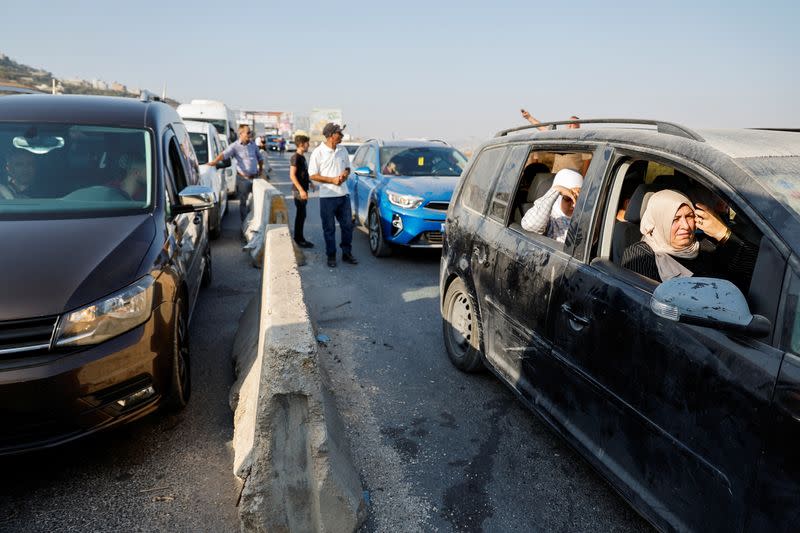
(298, 173)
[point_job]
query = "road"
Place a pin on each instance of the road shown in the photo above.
(438, 450)
(162, 473)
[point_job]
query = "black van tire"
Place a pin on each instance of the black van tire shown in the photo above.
(461, 328)
(180, 374)
(377, 244)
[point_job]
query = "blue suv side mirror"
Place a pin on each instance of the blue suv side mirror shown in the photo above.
(364, 172)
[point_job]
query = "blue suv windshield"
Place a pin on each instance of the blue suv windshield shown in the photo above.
(69, 170)
(421, 161)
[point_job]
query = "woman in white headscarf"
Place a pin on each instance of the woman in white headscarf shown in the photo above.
(550, 214)
(669, 247)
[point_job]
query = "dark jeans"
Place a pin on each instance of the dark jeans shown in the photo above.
(299, 219)
(337, 209)
(244, 187)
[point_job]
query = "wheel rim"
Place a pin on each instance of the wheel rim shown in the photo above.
(374, 236)
(460, 330)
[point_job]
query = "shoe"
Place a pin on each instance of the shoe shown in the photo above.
(332, 261)
(305, 244)
(348, 258)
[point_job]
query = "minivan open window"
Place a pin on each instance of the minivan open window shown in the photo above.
(70, 170)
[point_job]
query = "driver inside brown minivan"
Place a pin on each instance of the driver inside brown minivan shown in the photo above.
(550, 214)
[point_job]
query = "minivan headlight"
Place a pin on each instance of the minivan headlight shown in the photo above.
(405, 201)
(108, 317)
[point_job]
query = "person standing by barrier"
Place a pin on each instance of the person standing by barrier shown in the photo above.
(250, 163)
(298, 173)
(330, 166)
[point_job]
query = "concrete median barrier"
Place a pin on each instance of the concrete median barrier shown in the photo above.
(267, 206)
(290, 449)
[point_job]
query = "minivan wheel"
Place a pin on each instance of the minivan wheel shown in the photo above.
(181, 376)
(208, 271)
(377, 244)
(461, 328)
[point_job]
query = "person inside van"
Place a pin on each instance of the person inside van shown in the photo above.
(20, 173)
(550, 214)
(670, 248)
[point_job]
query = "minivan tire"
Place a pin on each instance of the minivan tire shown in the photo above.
(180, 375)
(461, 328)
(377, 244)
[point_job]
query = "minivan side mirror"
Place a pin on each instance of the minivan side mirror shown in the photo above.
(195, 198)
(363, 172)
(710, 302)
(225, 163)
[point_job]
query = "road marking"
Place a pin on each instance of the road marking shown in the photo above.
(421, 294)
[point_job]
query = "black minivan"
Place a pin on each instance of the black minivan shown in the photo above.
(103, 249)
(684, 394)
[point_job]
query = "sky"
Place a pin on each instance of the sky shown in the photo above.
(458, 71)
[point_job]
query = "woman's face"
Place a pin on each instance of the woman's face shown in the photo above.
(681, 234)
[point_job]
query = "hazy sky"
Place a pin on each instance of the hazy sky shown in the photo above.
(453, 70)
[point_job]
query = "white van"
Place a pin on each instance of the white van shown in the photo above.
(224, 121)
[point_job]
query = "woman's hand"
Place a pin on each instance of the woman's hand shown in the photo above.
(710, 223)
(569, 194)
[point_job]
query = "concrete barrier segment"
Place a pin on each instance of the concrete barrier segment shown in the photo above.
(268, 207)
(293, 454)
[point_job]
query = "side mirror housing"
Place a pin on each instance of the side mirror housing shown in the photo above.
(363, 172)
(195, 198)
(225, 163)
(709, 302)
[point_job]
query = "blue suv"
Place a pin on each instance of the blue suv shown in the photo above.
(400, 190)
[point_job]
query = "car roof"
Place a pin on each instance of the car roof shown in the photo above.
(735, 143)
(195, 126)
(406, 142)
(84, 109)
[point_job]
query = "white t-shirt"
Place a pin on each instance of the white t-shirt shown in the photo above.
(329, 163)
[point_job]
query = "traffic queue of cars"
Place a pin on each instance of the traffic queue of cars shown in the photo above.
(684, 394)
(105, 232)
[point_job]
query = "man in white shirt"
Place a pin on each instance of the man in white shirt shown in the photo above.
(329, 165)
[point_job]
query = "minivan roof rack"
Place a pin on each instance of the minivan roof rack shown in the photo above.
(669, 128)
(147, 96)
(794, 130)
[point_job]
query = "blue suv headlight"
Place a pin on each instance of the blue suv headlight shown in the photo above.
(406, 201)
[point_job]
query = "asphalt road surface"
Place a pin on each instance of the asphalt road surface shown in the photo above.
(437, 450)
(162, 473)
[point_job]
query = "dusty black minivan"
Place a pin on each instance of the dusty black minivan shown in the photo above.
(684, 394)
(103, 249)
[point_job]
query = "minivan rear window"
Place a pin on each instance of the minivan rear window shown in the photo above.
(70, 170)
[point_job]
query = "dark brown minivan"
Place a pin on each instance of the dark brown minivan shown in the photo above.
(103, 249)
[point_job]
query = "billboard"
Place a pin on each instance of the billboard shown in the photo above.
(320, 117)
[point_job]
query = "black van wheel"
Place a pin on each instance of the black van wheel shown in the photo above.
(208, 271)
(377, 244)
(181, 376)
(461, 328)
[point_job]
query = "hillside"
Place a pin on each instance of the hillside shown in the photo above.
(34, 78)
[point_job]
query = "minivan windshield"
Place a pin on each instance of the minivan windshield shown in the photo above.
(200, 144)
(73, 171)
(422, 161)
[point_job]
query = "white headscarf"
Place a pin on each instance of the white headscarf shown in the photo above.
(569, 179)
(656, 226)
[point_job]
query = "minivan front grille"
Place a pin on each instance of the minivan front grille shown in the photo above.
(20, 337)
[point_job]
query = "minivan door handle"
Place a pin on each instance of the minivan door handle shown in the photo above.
(576, 321)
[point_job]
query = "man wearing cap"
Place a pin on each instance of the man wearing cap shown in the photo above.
(249, 161)
(329, 165)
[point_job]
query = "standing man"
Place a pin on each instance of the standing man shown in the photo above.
(250, 163)
(330, 166)
(298, 173)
